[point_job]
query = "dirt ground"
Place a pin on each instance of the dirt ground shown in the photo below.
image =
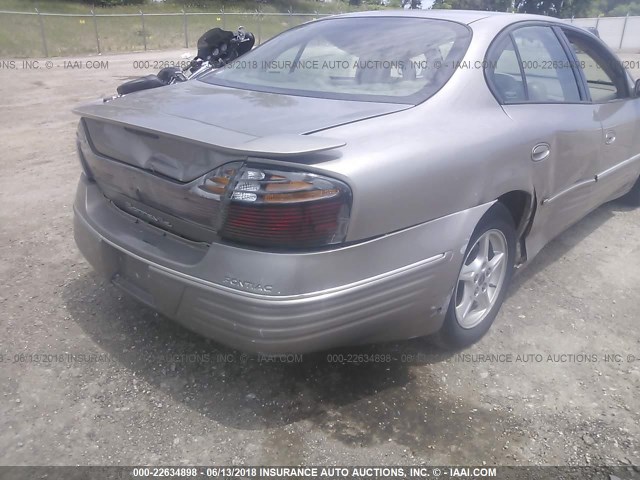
(89, 376)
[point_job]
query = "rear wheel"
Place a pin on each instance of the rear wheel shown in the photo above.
(633, 197)
(482, 281)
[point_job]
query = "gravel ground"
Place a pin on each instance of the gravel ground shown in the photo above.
(142, 390)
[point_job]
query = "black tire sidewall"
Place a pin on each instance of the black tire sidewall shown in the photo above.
(633, 197)
(453, 335)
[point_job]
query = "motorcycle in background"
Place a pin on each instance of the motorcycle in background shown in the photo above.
(216, 48)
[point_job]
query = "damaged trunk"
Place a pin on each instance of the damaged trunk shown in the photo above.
(149, 152)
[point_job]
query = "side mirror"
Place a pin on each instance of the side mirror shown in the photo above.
(636, 90)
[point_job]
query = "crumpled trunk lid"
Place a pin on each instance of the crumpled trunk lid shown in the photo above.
(184, 130)
(147, 151)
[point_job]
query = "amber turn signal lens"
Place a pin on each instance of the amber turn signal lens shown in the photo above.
(300, 196)
(279, 187)
(222, 180)
(213, 188)
(219, 180)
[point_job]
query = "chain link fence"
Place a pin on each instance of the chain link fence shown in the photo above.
(37, 34)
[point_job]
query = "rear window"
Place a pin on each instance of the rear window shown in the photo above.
(382, 59)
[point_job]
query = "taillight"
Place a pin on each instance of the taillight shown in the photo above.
(279, 208)
(215, 184)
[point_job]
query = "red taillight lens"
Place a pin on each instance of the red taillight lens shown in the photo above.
(284, 225)
(285, 209)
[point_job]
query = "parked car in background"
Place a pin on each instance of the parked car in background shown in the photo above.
(361, 178)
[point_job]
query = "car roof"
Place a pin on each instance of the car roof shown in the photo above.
(461, 16)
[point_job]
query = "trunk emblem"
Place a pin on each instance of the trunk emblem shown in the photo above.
(148, 216)
(250, 286)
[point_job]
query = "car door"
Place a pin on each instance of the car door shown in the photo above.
(557, 134)
(609, 88)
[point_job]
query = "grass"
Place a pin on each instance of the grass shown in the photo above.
(299, 6)
(21, 35)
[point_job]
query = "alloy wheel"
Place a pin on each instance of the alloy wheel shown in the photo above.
(481, 278)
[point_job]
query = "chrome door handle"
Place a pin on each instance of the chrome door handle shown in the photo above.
(540, 152)
(609, 137)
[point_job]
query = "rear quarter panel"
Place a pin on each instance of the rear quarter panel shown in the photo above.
(453, 152)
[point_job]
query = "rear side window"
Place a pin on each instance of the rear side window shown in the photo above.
(530, 65)
(507, 76)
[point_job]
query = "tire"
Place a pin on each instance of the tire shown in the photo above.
(481, 286)
(633, 197)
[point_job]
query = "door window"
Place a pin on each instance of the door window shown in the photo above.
(533, 67)
(606, 79)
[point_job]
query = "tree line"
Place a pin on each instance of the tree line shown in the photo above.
(555, 8)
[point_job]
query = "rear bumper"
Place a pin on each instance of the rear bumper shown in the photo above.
(277, 302)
